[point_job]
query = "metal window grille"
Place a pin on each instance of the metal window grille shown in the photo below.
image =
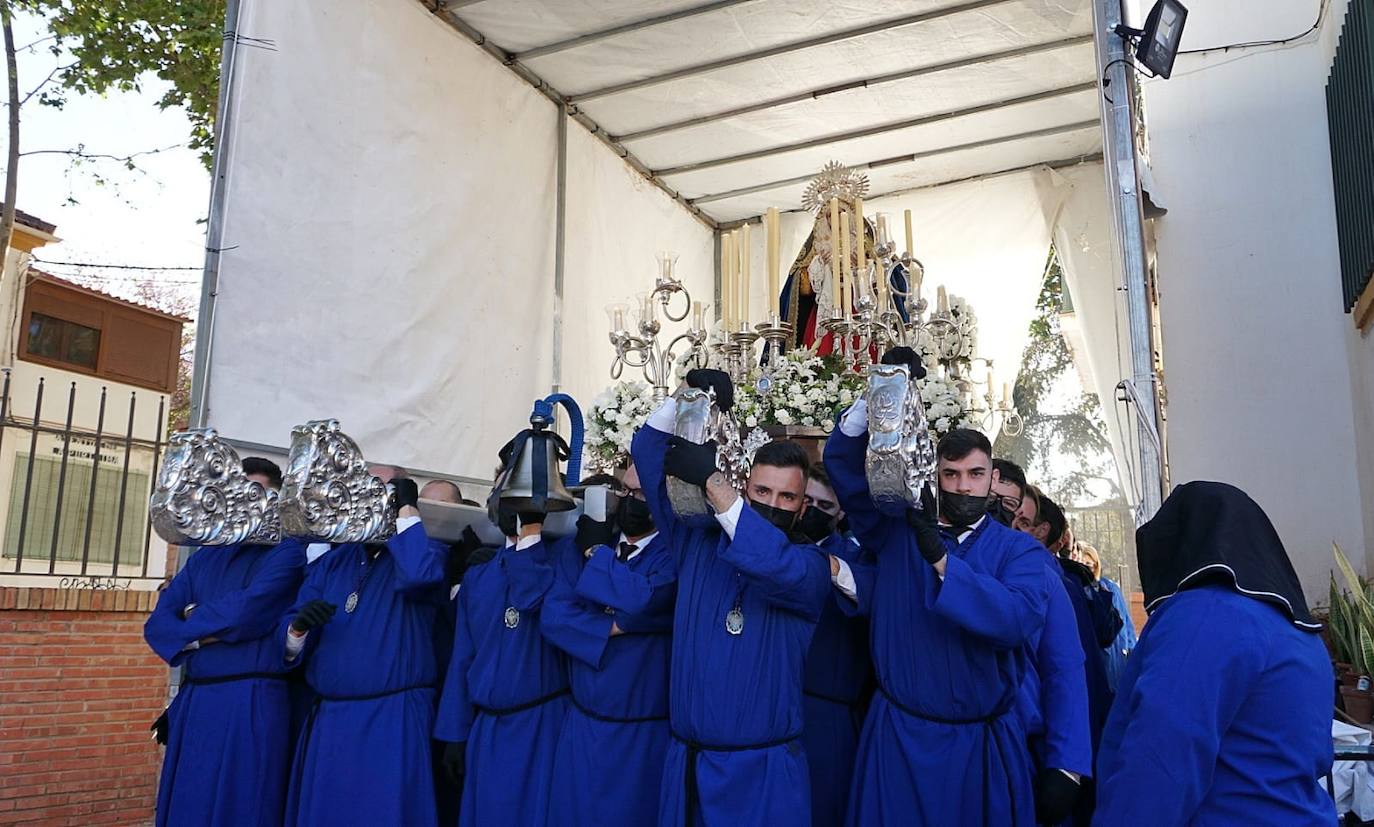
(1350, 118)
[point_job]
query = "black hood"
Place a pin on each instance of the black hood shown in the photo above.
(1211, 532)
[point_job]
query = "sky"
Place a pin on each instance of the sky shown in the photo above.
(153, 217)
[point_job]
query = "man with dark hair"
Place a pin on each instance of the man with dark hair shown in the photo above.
(957, 599)
(228, 730)
(1054, 697)
(750, 591)
(363, 631)
(838, 681)
(611, 611)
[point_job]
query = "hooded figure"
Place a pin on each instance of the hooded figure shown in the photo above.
(1223, 714)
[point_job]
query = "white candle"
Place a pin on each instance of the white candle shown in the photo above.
(846, 273)
(835, 254)
(942, 300)
(860, 238)
(1006, 392)
(727, 286)
(745, 253)
(774, 260)
(910, 249)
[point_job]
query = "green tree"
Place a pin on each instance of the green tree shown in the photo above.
(117, 44)
(1077, 431)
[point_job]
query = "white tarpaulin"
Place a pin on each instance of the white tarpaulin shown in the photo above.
(390, 218)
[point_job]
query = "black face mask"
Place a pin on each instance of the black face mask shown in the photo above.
(633, 517)
(998, 511)
(505, 521)
(816, 524)
(962, 510)
(782, 519)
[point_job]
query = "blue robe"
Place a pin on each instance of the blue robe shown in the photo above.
(364, 754)
(1223, 717)
(837, 686)
(735, 701)
(608, 766)
(1125, 639)
(942, 743)
(1054, 697)
(505, 694)
(228, 747)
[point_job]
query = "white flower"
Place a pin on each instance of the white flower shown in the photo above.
(942, 424)
(784, 418)
(751, 421)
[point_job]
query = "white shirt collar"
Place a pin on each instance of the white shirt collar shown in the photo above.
(966, 532)
(640, 544)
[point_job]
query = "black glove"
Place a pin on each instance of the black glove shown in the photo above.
(407, 492)
(159, 728)
(903, 355)
(923, 524)
(718, 380)
(1055, 795)
(313, 615)
(689, 461)
(455, 762)
(594, 533)
(480, 555)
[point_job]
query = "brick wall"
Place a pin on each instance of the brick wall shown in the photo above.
(78, 690)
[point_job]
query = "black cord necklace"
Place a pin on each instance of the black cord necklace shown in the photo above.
(368, 564)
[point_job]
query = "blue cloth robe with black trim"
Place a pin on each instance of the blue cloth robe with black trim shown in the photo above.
(608, 767)
(228, 752)
(836, 687)
(496, 669)
(1223, 717)
(364, 753)
(953, 653)
(735, 691)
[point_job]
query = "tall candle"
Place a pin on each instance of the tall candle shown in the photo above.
(882, 228)
(698, 316)
(746, 252)
(860, 233)
(1006, 392)
(909, 246)
(846, 274)
(727, 286)
(990, 385)
(771, 220)
(835, 254)
(942, 300)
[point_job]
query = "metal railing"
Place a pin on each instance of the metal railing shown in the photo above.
(75, 498)
(1111, 530)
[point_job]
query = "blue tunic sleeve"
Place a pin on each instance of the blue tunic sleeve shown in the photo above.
(1160, 747)
(647, 450)
(1004, 610)
(453, 719)
(531, 574)
(250, 613)
(419, 564)
(311, 589)
(789, 576)
(570, 622)
(165, 631)
(844, 461)
(1063, 685)
(607, 581)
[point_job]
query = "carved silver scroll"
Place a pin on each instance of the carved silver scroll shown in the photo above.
(203, 498)
(327, 494)
(901, 454)
(700, 421)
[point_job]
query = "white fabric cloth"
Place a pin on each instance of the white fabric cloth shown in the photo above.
(315, 551)
(640, 544)
(1352, 780)
(729, 518)
(664, 418)
(844, 580)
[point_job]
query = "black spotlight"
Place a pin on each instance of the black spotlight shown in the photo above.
(1160, 38)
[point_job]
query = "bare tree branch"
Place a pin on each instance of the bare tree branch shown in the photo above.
(45, 82)
(40, 41)
(101, 156)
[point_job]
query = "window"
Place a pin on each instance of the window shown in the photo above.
(43, 518)
(1350, 120)
(63, 341)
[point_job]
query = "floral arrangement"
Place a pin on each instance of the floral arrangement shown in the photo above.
(944, 403)
(615, 414)
(803, 389)
(958, 346)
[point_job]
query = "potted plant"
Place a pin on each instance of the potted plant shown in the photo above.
(1352, 636)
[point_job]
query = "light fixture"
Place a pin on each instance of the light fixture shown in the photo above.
(1160, 38)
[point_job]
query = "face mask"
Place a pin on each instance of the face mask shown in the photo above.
(634, 518)
(998, 510)
(962, 509)
(816, 524)
(783, 520)
(506, 522)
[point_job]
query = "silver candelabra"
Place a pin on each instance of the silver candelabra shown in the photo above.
(637, 342)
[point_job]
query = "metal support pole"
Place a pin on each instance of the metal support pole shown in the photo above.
(214, 235)
(559, 245)
(1123, 188)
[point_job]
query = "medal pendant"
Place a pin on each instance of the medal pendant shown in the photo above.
(610, 611)
(351, 603)
(512, 617)
(734, 622)
(764, 383)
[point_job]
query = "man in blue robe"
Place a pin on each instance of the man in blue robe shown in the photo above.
(505, 694)
(1054, 703)
(748, 600)
(228, 729)
(1223, 715)
(838, 681)
(611, 611)
(953, 612)
(364, 752)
